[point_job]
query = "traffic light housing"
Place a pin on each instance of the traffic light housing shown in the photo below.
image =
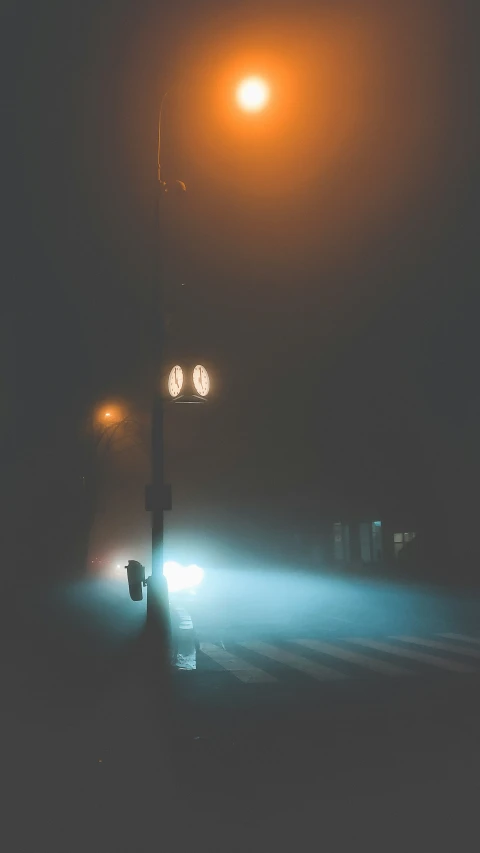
(136, 579)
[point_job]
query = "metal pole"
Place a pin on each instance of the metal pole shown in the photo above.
(158, 332)
(158, 617)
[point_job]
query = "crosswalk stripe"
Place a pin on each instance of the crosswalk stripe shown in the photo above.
(354, 657)
(241, 669)
(442, 647)
(423, 657)
(308, 667)
(461, 637)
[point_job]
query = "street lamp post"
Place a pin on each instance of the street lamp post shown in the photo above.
(158, 332)
(158, 618)
(252, 96)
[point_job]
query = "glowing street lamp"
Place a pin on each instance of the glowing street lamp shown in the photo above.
(253, 94)
(109, 414)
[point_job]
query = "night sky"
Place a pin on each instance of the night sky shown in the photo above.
(328, 251)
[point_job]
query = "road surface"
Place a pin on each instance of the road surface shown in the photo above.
(339, 710)
(339, 707)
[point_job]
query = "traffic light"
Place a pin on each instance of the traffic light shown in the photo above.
(136, 579)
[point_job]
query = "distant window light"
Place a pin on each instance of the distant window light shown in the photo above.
(398, 537)
(377, 523)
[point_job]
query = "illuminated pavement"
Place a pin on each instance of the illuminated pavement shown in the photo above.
(295, 713)
(317, 701)
(295, 630)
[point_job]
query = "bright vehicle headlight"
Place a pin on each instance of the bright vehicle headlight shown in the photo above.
(180, 578)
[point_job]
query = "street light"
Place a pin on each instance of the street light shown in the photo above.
(253, 94)
(108, 413)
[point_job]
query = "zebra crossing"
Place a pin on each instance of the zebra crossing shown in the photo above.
(259, 662)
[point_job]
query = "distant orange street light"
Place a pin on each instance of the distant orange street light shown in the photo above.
(108, 415)
(253, 94)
